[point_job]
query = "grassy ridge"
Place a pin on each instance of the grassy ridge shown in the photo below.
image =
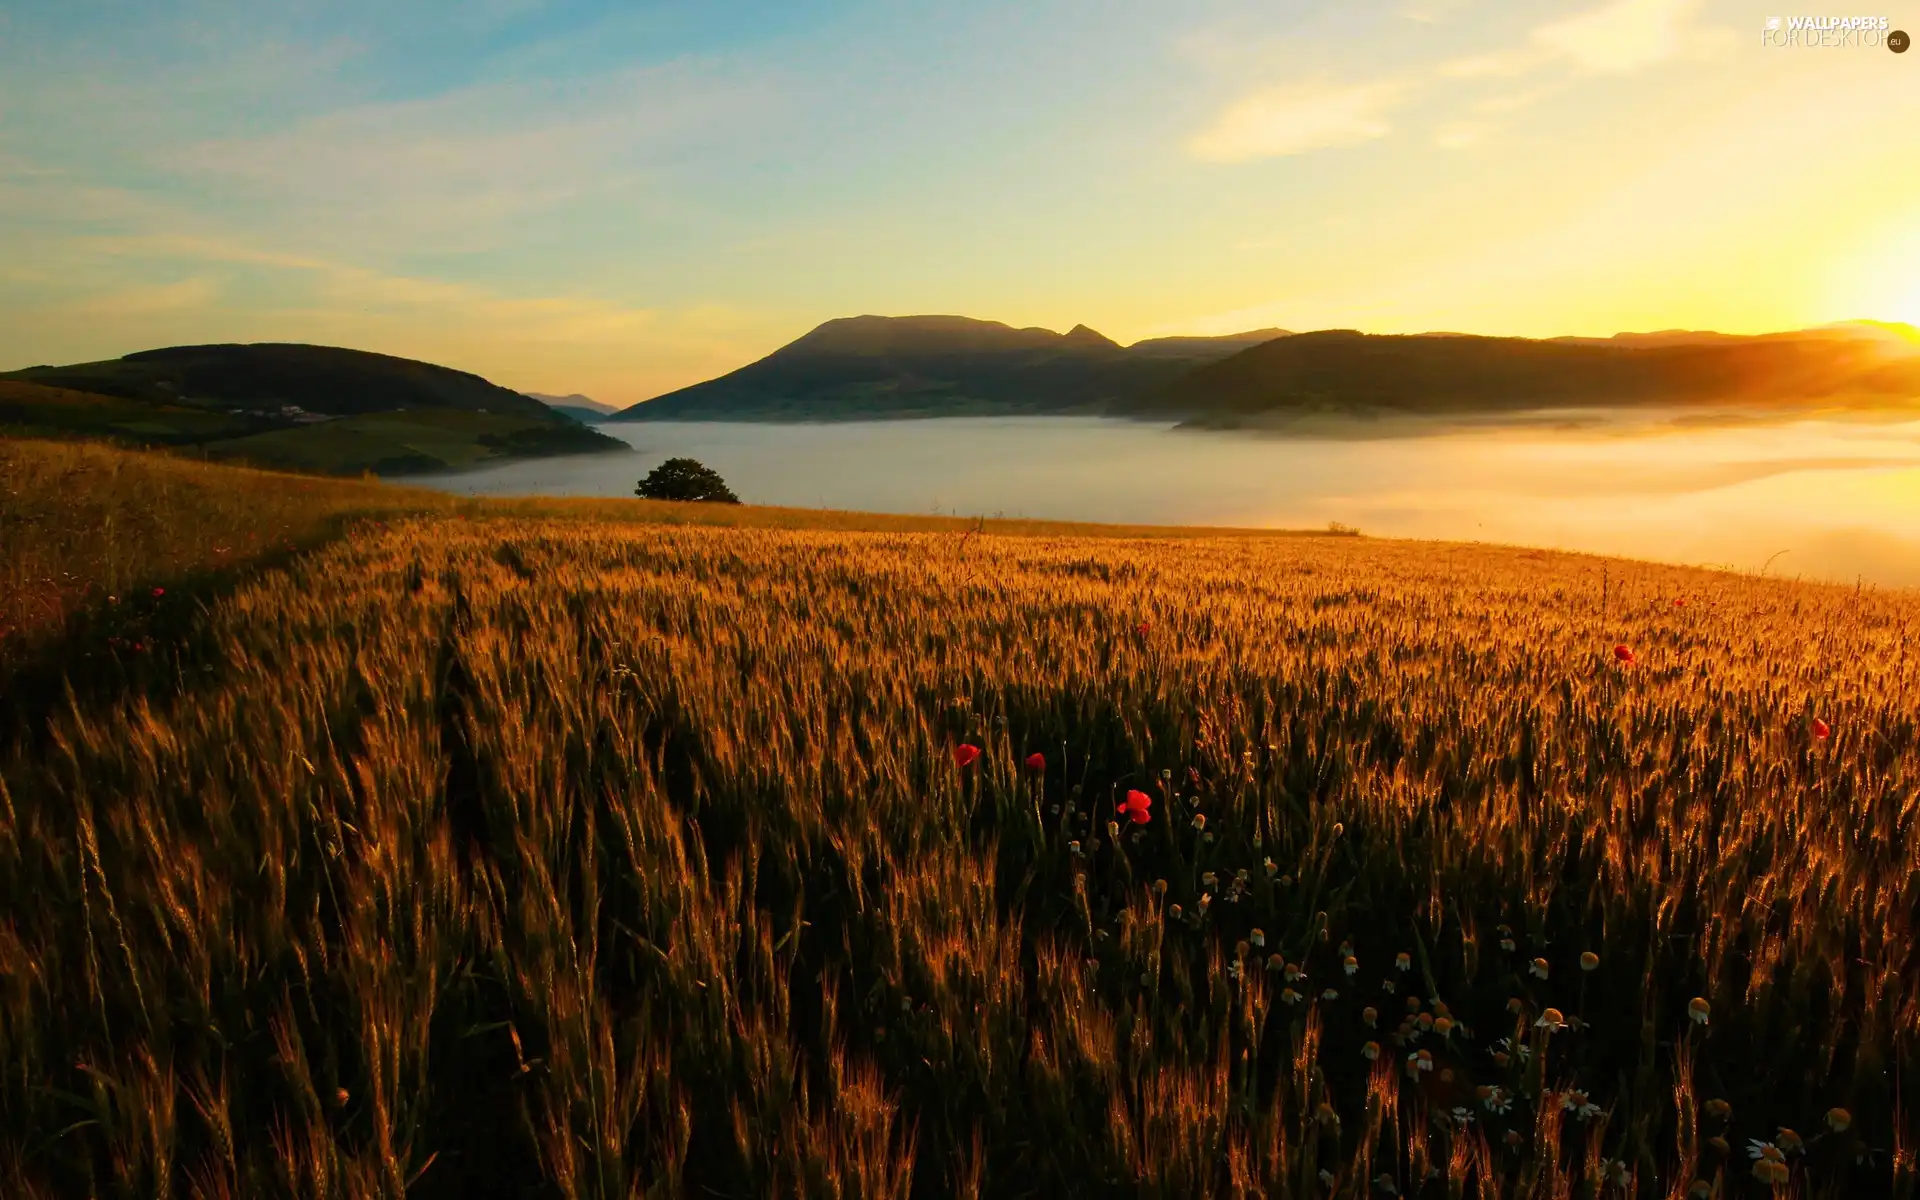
(579, 857)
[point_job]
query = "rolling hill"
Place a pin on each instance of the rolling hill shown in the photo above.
(873, 367)
(1343, 371)
(317, 408)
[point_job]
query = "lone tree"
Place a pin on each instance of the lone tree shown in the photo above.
(685, 479)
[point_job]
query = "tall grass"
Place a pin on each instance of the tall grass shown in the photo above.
(524, 856)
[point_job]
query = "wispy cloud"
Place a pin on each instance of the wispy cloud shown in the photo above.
(1615, 38)
(183, 295)
(463, 171)
(1429, 12)
(1296, 118)
(1625, 35)
(1495, 64)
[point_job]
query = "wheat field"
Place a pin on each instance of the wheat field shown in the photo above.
(478, 855)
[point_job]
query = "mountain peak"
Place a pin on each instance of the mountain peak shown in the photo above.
(1082, 335)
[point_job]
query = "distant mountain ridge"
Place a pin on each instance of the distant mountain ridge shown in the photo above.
(1344, 371)
(874, 367)
(575, 400)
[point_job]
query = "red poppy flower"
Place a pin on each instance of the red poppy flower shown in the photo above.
(1142, 627)
(1679, 602)
(1138, 806)
(965, 755)
(1821, 729)
(1624, 654)
(1036, 762)
(159, 591)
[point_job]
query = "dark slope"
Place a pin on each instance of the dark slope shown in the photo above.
(315, 408)
(888, 367)
(1335, 371)
(319, 379)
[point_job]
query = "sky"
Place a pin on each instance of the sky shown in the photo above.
(623, 198)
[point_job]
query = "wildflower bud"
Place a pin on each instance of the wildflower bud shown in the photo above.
(1370, 1051)
(1159, 887)
(1369, 1016)
(1443, 1025)
(1589, 961)
(1113, 829)
(1259, 937)
(1338, 829)
(1698, 1010)
(1240, 948)
(1413, 1004)
(1838, 1119)
(1719, 1110)
(1174, 911)
(1514, 1005)
(340, 1097)
(1199, 820)
(1538, 968)
(1207, 837)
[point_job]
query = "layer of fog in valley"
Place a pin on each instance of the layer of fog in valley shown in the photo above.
(1831, 498)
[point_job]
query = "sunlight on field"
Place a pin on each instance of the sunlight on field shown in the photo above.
(631, 856)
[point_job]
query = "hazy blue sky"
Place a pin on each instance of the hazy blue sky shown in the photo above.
(622, 198)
